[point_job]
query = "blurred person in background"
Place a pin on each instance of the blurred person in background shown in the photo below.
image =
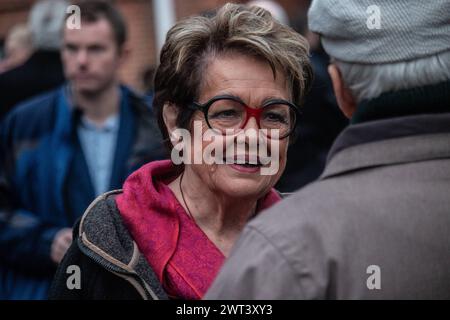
(43, 70)
(376, 224)
(167, 233)
(322, 122)
(148, 81)
(18, 47)
(60, 150)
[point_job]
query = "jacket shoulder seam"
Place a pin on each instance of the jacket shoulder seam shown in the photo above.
(96, 201)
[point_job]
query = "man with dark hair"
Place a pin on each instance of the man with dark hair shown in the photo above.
(62, 149)
(92, 11)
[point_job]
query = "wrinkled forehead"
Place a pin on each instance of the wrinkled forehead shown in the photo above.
(247, 77)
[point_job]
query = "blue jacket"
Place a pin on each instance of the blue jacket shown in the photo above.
(45, 183)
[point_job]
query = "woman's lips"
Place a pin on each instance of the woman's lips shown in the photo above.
(245, 169)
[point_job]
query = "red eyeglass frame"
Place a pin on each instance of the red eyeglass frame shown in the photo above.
(250, 112)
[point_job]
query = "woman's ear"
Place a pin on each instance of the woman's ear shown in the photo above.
(170, 114)
(344, 96)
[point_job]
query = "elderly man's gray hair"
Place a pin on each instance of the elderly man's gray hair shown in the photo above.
(367, 81)
(46, 21)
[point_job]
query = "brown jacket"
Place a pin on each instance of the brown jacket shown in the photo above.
(375, 226)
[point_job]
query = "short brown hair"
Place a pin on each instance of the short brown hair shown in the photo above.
(234, 28)
(94, 10)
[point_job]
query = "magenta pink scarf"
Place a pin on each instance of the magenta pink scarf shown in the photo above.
(182, 256)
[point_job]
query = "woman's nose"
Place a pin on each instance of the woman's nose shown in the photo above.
(251, 135)
(252, 123)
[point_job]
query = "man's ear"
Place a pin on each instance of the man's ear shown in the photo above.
(124, 53)
(344, 96)
(170, 114)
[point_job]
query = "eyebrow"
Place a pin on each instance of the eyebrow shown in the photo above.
(270, 98)
(263, 102)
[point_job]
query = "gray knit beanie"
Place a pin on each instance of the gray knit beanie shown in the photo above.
(381, 31)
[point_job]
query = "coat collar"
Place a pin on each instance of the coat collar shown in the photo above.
(434, 98)
(390, 141)
(396, 127)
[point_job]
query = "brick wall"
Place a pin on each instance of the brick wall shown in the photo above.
(138, 14)
(11, 13)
